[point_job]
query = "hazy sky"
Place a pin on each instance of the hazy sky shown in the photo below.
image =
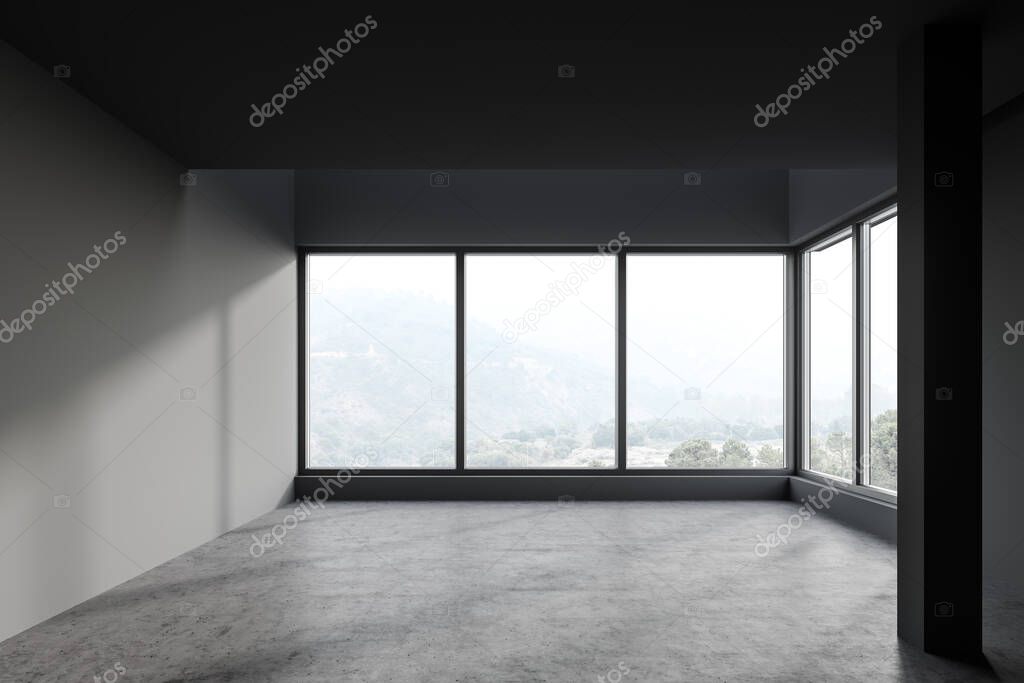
(883, 321)
(713, 321)
(568, 298)
(831, 321)
(431, 275)
(705, 319)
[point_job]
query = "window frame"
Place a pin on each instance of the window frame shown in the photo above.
(787, 391)
(460, 380)
(620, 470)
(864, 471)
(834, 237)
(857, 228)
(303, 421)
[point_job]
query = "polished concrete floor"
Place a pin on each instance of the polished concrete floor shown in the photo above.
(509, 592)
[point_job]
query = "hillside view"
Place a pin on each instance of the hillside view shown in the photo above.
(382, 394)
(704, 390)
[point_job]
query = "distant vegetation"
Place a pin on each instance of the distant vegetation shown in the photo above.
(373, 398)
(734, 454)
(834, 455)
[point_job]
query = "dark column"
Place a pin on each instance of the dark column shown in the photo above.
(939, 601)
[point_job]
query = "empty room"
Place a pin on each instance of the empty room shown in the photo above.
(363, 343)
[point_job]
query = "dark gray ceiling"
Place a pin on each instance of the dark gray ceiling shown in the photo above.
(455, 88)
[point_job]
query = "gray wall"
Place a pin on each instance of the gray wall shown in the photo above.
(822, 198)
(1003, 368)
(201, 295)
(540, 207)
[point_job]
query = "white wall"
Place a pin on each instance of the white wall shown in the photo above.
(201, 295)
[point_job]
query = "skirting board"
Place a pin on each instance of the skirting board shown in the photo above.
(860, 512)
(512, 487)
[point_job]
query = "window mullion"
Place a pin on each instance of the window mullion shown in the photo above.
(460, 361)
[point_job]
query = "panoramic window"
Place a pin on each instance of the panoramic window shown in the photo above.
(706, 360)
(381, 360)
(842, 319)
(880, 349)
(540, 360)
(829, 272)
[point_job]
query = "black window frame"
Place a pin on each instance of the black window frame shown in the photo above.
(791, 397)
(857, 227)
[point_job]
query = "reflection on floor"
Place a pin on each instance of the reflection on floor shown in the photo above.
(565, 591)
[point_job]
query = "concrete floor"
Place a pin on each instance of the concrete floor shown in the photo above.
(509, 592)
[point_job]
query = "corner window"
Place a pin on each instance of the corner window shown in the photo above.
(829, 347)
(850, 359)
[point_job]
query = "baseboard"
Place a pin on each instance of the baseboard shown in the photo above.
(861, 512)
(512, 487)
(877, 517)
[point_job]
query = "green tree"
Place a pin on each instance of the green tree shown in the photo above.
(817, 453)
(883, 450)
(769, 456)
(694, 453)
(836, 458)
(840, 444)
(735, 454)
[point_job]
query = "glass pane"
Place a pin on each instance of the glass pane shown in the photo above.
(830, 370)
(540, 360)
(881, 465)
(706, 360)
(381, 360)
